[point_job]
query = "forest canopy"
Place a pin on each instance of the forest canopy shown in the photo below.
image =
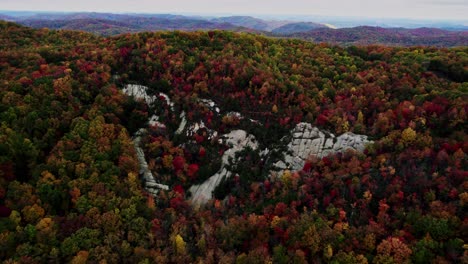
(70, 182)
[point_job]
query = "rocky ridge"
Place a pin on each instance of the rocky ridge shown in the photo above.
(139, 92)
(308, 140)
(150, 183)
(238, 140)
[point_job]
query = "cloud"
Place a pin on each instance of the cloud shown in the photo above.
(446, 2)
(416, 9)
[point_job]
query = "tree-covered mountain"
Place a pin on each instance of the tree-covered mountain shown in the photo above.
(251, 22)
(297, 27)
(127, 24)
(108, 24)
(6, 17)
(365, 35)
(90, 125)
(97, 26)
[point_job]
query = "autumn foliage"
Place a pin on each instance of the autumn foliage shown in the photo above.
(69, 184)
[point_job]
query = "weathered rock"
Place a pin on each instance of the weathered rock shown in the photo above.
(235, 114)
(238, 140)
(308, 140)
(168, 100)
(139, 91)
(210, 104)
(155, 185)
(153, 121)
(148, 178)
(182, 124)
(194, 128)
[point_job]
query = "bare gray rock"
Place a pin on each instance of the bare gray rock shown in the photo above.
(139, 92)
(195, 127)
(308, 140)
(182, 124)
(238, 140)
(151, 185)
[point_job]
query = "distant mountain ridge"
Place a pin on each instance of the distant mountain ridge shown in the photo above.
(6, 17)
(215, 146)
(100, 26)
(298, 27)
(111, 24)
(365, 35)
(245, 21)
(251, 22)
(107, 24)
(114, 25)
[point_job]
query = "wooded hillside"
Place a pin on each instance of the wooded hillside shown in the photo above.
(69, 175)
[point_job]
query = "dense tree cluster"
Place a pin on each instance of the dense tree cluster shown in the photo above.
(365, 35)
(69, 184)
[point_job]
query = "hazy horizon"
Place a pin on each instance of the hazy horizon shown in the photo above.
(385, 9)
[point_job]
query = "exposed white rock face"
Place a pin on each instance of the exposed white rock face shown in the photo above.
(308, 140)
(168, 100)
(193, 129)
(204, 192)
(240, 116)
(238, 140)
(210, 104)
(235, 114)
(154, 121)
(151, 185)
(182, 124)
(139, 91)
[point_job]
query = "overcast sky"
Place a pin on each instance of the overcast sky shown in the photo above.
(420, 9)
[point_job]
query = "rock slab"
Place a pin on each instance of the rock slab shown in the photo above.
(238, 140)
(308, 140)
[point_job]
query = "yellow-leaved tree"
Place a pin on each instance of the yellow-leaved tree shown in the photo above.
(179, 244)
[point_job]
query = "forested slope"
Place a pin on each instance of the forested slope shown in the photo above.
(366, 35)
(69, 174)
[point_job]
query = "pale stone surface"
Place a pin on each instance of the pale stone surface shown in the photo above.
(154, 121)
(264, 152)
(204, 192)
(235, 114)
(182, 124)
(151, 185)
(238, 140)
(210, 104)
(308, 140)
(168, 100)
(139, 92)
(193, 129)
